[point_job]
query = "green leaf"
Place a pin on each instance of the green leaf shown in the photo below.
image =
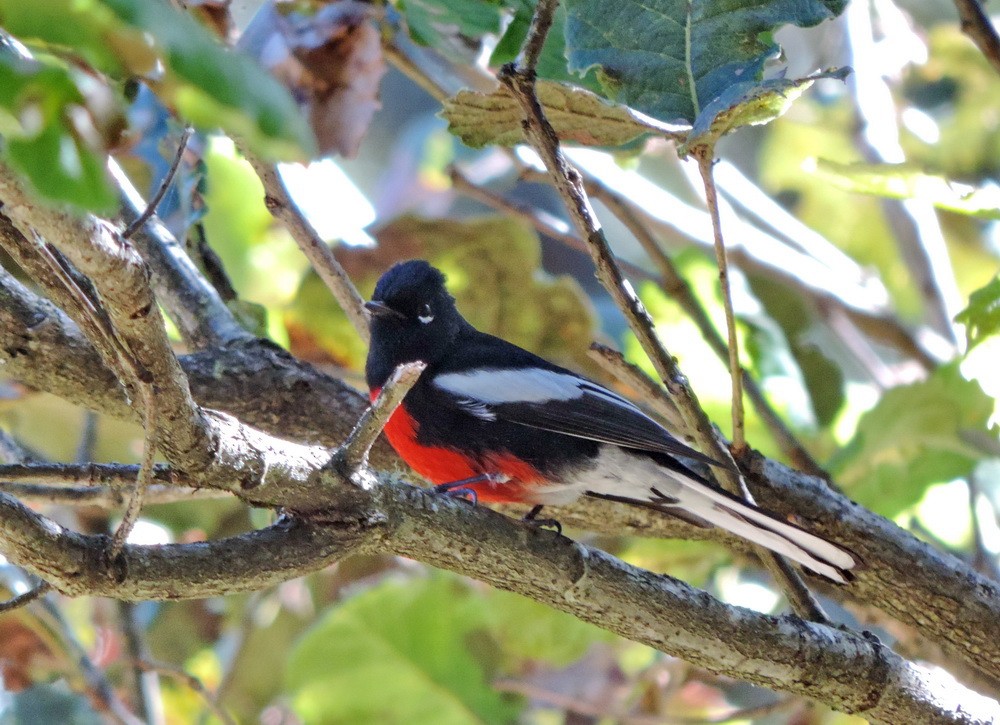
(749, 104)
(982, 317)
(673, 58)
(437, 22)
(528, 630)
(914, 437)
(401, 652)
(552, 63)
(822, 377)
(56, 133)
(208, 84)
(577, 115)
(905, 181)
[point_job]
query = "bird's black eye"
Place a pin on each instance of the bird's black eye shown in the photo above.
(426, 314)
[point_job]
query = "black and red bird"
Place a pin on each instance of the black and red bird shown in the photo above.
(495, 419)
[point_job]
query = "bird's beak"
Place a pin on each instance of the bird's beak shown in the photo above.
(380, 309)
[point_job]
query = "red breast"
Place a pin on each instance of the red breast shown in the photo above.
(445, 465)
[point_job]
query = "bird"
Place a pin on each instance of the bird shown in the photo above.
(491, 420)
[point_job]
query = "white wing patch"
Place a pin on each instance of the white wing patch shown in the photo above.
(492, 386)
(477, 408)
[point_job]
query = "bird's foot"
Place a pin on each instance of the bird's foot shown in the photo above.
(463, 489)
(531, 518)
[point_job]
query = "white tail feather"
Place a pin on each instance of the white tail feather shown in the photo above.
(807, 549)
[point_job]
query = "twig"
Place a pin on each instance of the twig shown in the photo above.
(145, 683)
(541, 23)
(168, 179)
(569, 184)
(317, 251)
(652, 394)
(977, 25)
(679, 290)
(105, 496)
(760, 253)
(113, 475)
(143, 480)
(354, 451)
(27, 597)
(464, 185)
(192, 682)
(704, 158)
(194, 305)
(92, 674)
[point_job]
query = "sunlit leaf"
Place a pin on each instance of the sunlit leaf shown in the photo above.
(57, 125)
(982, 317)
(917, 435)
(208, 84)
(673, 58)
(749, 104)
(577, 115)
(905, 181)
(398, 653)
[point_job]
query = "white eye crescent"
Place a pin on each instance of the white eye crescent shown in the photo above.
(426, 315)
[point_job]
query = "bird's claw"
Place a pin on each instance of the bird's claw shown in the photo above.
(530, 519)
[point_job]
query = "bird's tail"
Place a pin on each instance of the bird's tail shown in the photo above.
(703, 504)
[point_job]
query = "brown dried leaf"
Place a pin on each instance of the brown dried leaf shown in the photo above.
(331, 61)
(214, 14)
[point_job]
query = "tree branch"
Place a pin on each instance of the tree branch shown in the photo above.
(354, 451)
(943, 598)
(705, 161)
(121, 279)
(977, 25)
(849, 672)
(569, 183)
(317, 251)
(193, 304)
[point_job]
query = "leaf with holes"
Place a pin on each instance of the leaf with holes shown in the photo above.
(672, 58)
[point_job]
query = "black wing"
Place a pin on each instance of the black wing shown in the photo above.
(561, 402)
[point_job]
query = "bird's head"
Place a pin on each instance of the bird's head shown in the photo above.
(412, 316)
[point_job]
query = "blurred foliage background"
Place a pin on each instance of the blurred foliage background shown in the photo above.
(863, 223)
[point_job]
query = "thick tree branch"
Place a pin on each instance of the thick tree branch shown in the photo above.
(192, 303)
(943, 598)
(121, 279)
(848, 671)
